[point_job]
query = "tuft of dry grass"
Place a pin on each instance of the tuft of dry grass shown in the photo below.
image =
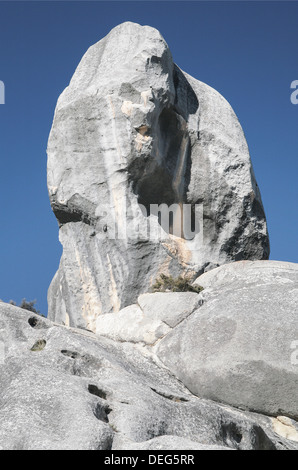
(169, 284)
(39, 345)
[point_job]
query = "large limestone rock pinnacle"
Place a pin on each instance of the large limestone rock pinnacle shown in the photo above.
(131, 131)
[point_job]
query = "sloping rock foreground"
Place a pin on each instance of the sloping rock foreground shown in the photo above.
(66, 388)
(132, 130)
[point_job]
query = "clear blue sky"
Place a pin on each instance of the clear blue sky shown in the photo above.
(245, 50)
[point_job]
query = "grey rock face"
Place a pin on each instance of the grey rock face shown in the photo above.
(82, 392)
(237, 348)
(132, 130)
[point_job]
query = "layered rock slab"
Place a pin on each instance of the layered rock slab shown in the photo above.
(77, 391)
(132, 130)
(150, 319)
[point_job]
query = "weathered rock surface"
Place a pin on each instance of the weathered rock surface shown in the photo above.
(132, 130)
(237, 348)
(233, 343)
(150, 319)
(65, 388)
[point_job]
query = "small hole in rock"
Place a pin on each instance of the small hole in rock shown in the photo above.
(33, 321)
(231, 432)
(37, 323)
(71, 354)
(94, 390)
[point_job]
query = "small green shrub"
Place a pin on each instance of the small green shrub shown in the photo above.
(169, 284)
(27, 305)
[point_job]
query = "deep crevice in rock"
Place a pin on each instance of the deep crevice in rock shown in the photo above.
(65, 215)
(186, 98)
(260, 440)
(231, 434)
(77, 209)
(169, 396)
(71, 354)
(165, 179)
(101, 412)
(255, 438)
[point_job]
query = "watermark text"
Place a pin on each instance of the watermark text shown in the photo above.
(294, 95)
(158, 222)
(2, 92)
